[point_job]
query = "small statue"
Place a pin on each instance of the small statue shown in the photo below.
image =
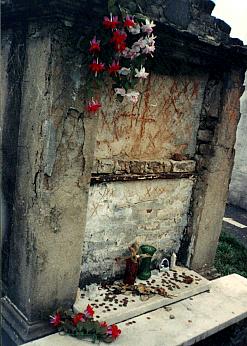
(173, 260)
(131, 268)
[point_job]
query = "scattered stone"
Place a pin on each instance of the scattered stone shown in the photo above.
(171, 317)
(168, 308)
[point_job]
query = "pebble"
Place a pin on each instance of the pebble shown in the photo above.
(167, 308)
(172, 317)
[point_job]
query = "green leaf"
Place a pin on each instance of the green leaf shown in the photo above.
(112, 7)
(89, 326)
(124, 11)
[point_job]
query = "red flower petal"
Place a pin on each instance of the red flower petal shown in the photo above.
(92, 106)
(89, 309)
(114, 331)
(103, 324)
(111, 23)
(77, 318)
(56, 320)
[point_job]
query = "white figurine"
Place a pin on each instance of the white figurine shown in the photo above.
(173, 260)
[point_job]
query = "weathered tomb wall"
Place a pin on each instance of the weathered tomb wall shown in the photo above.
(152, 212)
(143, 139)
(48, 148)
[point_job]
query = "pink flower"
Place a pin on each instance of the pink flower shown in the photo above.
(94, 46)
(111, 23)
(56, 320)
(93, 106)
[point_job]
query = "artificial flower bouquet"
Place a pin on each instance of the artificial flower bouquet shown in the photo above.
(82, 325)
(119, 50)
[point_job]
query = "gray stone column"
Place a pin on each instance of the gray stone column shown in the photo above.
(54, 146)
(215, 167)
(238, 186)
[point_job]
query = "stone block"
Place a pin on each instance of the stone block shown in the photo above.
(105, 166)
(122, 166)
(212, 99)
(173, 11)
(137, 167)
(223, 26)
(187, 166)
(207, 6)
(206, 149)
(205, 135)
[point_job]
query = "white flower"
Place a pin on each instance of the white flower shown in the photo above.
(151, 40)
(120, 91)
(148, 27)
(124, 71)
(142, 42)
(149, 50)
(141, 73)
(125, 52)
(135, 48)
(130, 53)
(133, 96)
(135, 30)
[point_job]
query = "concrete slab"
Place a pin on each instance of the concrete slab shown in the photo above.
(194, 319)
(114, 308)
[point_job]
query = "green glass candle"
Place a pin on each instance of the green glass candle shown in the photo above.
(144, 271)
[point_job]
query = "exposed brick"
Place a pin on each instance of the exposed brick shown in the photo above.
(205, 135)
(205, 149)
(120, 213)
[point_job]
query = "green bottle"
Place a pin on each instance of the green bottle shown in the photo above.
(144, 271)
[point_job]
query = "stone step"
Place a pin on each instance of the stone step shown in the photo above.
(115, 308)
(195, 319)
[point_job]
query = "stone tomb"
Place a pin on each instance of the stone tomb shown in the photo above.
(114, 303)
(176, 144)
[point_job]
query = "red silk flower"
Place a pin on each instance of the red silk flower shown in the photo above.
(78, 318)
(114, 331)
(96, 67)
(56, 320)
(110, 23)
(93, 106)
(129, 22)
(103, 324)
(94, 46)
(118, 39)
(89, 312)
(114, 68)
(118, 36)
